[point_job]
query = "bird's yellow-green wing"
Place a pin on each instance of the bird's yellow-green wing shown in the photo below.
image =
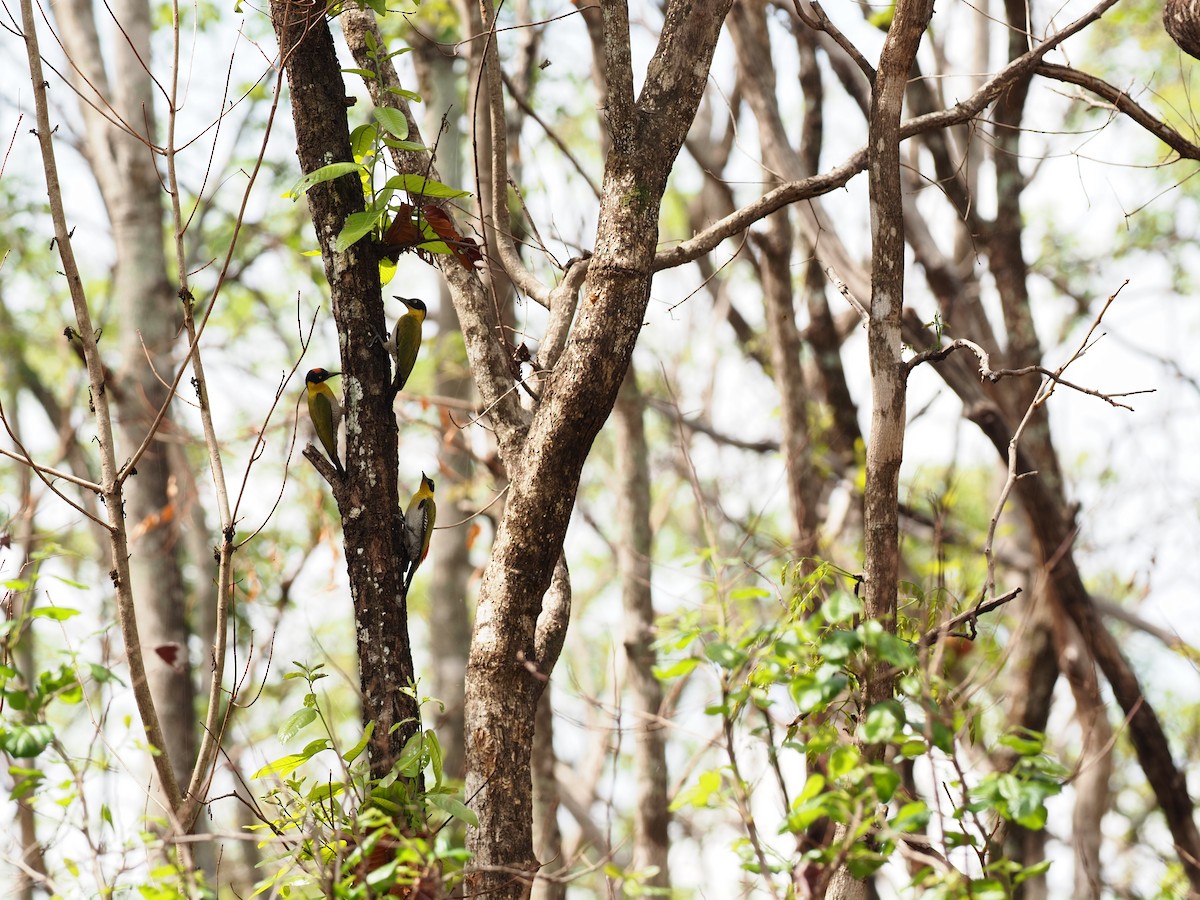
(321, 410)
(407, 338)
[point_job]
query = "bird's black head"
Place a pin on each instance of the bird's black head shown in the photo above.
(413, 304)
(316, 376)
(427, 480)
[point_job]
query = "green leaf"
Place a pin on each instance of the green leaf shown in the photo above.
(911, 817)
(676, 669)
(102, 674)
(412, 757)
(433, 747)
(956, 839)
(843, 760)
(25, 781)
(841, 607)
(325, 791)
(357, 226)
(296, 722)
(27, 741)
(1032, 871)
(1024, 742)
(412, 96)
(286, 765)
(420, 186)
(392, 120)
(325, 173)
(943, 737)
(886, 781)
(353, 753)
(362, 140)
(282, 767)
(410, 146)
(839, 645)
(57, 613)
(884, 721)
(887, 646)
(749, 592)
(453, 807)
(387, 271)
(1027, 807)
(815, 691)
(988, 889)
(384, 875)
(702, 794)
(813, 785)
(862, 867)
(725, 655)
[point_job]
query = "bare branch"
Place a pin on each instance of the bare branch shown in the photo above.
(856, 162)
(947, 628)
(819, 21)
(110, 482)
(514, 267)
(1125, 104)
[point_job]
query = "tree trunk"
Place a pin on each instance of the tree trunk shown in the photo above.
(651, 818)
(376, 553)
(547, 836)
(507, 665)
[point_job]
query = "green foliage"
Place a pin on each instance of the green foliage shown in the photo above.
(809, 666)
(381, 190)
(29, 698)
(345, 834)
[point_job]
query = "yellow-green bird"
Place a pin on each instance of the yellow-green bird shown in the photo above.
(406, 341)
(418, 520)
(326, 412)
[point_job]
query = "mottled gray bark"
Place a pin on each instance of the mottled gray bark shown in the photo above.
(885, 443)
(1094, 767)
(885, 446)
(367, 498)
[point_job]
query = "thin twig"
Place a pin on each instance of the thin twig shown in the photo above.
(821, 22)
(110, 481)
(946, 629)
(845, 291)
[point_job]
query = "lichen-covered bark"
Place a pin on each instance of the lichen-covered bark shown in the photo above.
(368, 498)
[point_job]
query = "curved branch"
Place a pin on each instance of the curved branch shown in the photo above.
(805, 188)
(505, 248)
(112, 494)
(1125, 104)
